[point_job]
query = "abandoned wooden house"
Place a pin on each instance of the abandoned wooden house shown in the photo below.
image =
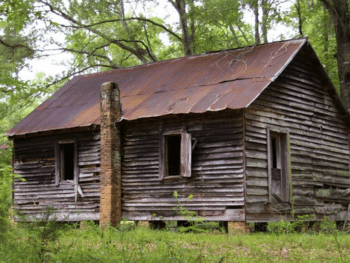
(255, 134)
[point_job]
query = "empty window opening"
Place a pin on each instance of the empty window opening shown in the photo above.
(173, 154)
(67, 161)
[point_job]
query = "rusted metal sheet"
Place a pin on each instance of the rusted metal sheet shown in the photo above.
(209, 82)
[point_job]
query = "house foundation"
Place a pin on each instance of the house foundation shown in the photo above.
(237, 228)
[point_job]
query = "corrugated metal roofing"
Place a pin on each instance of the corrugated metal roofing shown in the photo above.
(230, 79)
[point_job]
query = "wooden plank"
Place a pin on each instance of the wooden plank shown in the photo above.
(269, 164)
(219, 172)
(228, 215)
(90, 170)
(74, 217)
(256, 163)
(57, 163)
(306, 201)
(199, 163)
(236, 144)
(75, 162)
(40, 169)
(88, 163)
(252, 191)
(256, 172)
(257, 182)
(268, 208)
(320, 154)
(161, 155)
(171, 205)
(331, 194)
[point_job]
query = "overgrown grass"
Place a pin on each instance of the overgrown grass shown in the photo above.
(129, 244)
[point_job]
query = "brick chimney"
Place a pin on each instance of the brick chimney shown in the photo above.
(110, 202)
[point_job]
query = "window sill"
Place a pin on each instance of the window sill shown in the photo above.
(69, 182)
(173, 177)
(282, 203)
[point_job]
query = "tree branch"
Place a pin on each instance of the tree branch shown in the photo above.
(92, 53)
(16, 46)
(139, 19)
(104, 36)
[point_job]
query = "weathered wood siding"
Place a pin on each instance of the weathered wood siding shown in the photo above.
(319, 146)
(217, 179)
(35, 162)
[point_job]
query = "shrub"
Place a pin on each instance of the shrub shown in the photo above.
(6, 177)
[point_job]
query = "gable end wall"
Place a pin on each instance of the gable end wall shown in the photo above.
(297, 101)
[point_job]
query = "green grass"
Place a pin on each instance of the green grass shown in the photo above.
(128, 244)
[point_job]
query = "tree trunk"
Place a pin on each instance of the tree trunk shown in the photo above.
(339, 10)
(265, 11)
(256, 14)
(180, 6)
(300, 22)
(326, 29)
(193, 28)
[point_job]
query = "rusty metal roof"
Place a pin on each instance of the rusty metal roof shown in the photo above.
(230, 79)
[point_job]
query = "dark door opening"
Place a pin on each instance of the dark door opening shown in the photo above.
(173, 154)
(279, 170)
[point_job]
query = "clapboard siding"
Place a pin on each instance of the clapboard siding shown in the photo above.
(217, 174)
(319, 146)
(35, 162)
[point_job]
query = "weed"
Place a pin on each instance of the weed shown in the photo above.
(144, 245)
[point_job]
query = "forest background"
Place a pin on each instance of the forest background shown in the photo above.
(100, 35)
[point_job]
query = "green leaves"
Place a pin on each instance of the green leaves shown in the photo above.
(175, 194)
(17, 12)
(316, 24)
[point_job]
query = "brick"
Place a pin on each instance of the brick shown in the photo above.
(110, 201)
(237, 228)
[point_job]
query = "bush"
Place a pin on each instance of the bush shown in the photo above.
(6, 177)
(34, 240)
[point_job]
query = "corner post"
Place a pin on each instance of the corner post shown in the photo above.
(110, 201)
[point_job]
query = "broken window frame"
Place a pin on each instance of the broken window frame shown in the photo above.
(59, 176)
(283, 163)
(185, 154)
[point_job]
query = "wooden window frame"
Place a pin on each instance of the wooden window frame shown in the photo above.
(58, 161)
(185, 154)
(283, 163)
